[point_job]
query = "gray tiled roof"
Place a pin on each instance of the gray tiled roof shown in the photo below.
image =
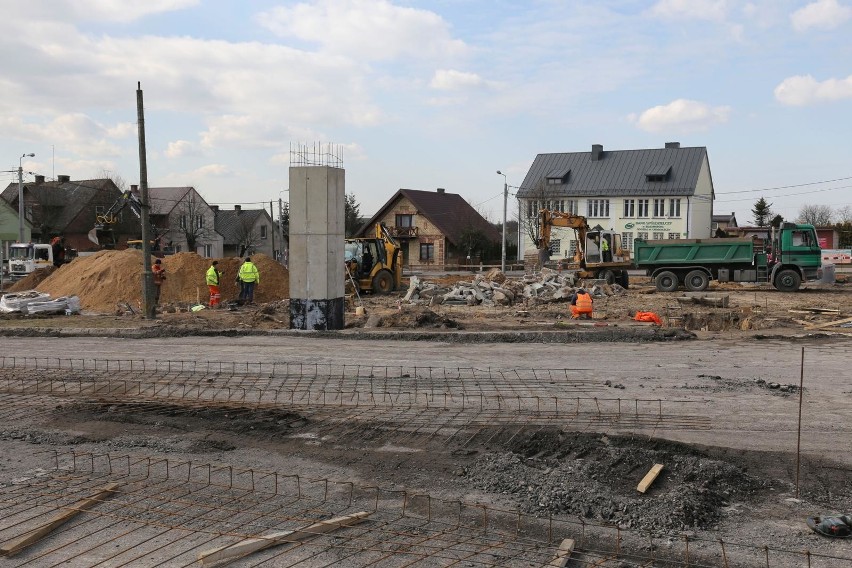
(69, 198)
(449, 212)
(617, 173)
(230, 223)
(164, 199)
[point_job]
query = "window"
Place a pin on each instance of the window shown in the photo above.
(674, 207)
(674, 235)
(208, 251)
(572, 249)
(263, 231)
(598, 208)
(629, 208)
(643, 208)
(182, 222)
(405, 221)
(554, 181)
(532, 211)
(199, 221)
(659, 208)
(627, 241)
(555, 246)
(642, 235)
(571, 206)
(659, 236)
(427, 251)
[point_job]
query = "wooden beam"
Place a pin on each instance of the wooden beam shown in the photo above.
(248, 546)
(563, 554)
(16, 545)
(829, 324)
(649, 478)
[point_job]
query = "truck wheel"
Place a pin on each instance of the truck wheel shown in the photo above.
(608, 276)
(666, 281)
(696, 281)
(624, 279)
(383, 282)
(787, 280)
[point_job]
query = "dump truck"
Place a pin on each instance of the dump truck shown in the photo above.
(589, 260)
(375, 264)
(26, 258)
(789, 257)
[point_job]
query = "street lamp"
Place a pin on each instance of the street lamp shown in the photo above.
(21, 196)
(505, 198)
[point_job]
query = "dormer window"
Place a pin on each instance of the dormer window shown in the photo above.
(658, 174)
(558, 177)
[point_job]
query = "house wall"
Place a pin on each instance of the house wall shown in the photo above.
(211, 245)
(427, 232)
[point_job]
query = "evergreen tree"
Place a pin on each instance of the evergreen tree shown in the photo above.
(352, 215)
(762, 212)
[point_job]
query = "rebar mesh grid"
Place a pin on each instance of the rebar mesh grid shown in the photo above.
(166, 513)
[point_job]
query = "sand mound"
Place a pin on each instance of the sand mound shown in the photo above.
(108, 277)
(32, 280)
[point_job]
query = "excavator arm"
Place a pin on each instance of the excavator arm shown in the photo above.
(105, 221)
(549, 219)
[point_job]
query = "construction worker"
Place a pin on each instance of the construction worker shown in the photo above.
(581, 304)
(249, 277)
(606, 254)
(159, 278)
(213, 274)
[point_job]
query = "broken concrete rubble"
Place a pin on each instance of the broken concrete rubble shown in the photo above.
(495, 288)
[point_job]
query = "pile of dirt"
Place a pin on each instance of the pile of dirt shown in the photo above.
(418, 318)
(107, 278)
(595, 477)
(32, 280)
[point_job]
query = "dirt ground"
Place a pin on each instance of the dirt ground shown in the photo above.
(478, 413)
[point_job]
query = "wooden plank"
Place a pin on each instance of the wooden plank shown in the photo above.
(248, 546)
(649, 478)
(829, 324)
(563, 554)
(16, 545)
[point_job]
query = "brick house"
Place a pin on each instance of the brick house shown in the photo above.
(434, 228)
(245, 231)
(182, 215)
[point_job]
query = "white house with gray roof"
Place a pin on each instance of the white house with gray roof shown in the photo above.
(657, 193)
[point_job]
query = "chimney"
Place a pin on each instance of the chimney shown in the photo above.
(597, 152)
(39, 180)
(63, 179)
(134, 189)
(215, 208)
(238, 209)
(441, 190)
(672, 144)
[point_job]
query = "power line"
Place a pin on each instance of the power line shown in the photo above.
(784, 186)
(788, 194)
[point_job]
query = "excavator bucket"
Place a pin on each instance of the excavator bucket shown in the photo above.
(93, 236)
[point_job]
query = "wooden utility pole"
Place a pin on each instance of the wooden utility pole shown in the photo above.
(149, 307)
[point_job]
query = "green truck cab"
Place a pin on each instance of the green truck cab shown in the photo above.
(790, 256)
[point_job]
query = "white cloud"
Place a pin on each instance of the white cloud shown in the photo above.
(802, 90)
(372, 29)
(452, 80)
(712, 10)
(76, 132)
(180, 148)
(822, 14)
(123, 11)
(681, 115)
(212, 170)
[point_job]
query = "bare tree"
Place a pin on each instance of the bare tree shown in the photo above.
(190, 223)
(247, 237)
(817, 215)
(843, 215)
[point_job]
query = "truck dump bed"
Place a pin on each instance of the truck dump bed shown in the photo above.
(693, 251)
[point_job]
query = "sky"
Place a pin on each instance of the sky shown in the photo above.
(427, 94)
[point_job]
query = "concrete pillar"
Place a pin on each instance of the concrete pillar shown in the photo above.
(317, 197)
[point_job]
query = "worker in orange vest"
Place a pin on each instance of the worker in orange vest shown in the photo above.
(581, 304)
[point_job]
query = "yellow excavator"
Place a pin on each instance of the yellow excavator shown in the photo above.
(599, 252)
(375, 264)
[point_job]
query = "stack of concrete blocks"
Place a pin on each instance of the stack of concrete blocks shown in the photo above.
(317, 196)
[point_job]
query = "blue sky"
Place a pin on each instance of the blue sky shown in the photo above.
(430, 94)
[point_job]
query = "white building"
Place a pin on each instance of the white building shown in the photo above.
(662, 193)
